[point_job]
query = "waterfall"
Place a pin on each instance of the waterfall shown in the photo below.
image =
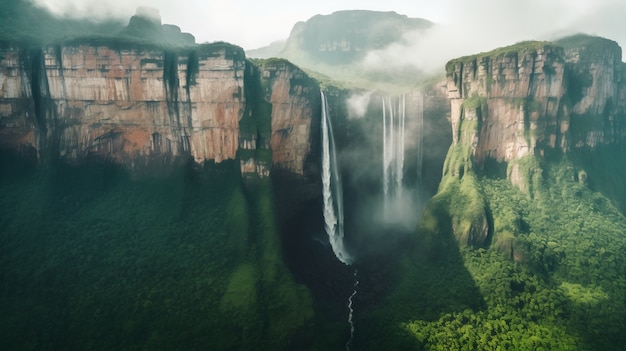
(400, 145)
(385, 157)
(332, 190)
(420, 118)
(393, 147)
(351, 311)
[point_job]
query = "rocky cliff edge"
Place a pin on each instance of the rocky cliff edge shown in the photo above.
(136, 103)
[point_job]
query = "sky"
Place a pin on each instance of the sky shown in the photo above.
(467, 26)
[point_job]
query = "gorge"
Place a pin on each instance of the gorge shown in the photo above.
(164, 196)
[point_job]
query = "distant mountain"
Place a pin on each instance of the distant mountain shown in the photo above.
(335, 44)
(346, 36)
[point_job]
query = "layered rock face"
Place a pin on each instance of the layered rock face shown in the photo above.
(507, 105)
(294, 98)
(125, 104)
(534, 97)
(135, 104)
(514, 105)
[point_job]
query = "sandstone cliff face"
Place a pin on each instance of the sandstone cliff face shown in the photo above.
(124, 104)
(17, 110)
(516, 104)
(534, 97)
(295, 102)
(136, 104)
(511, 100)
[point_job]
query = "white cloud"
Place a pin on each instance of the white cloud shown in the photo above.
(476, 26)
(470, 25)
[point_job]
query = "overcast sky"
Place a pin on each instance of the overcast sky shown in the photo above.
(469, 25)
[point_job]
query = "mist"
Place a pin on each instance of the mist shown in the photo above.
(236, 22)
(357, 104)
(478, 26)
(464, 26)
(377, 220)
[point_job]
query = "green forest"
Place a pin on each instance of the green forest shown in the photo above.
(553, 278)
(95, 259)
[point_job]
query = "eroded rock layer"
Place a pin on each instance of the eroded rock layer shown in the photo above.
(135, 104)
(535, 97)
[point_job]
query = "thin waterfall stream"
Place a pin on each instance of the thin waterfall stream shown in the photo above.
(351, 311)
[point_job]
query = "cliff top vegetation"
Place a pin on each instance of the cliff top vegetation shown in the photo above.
(514, 49)
(591, 45)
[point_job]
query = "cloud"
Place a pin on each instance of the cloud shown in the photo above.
(245, 23)
(426, 50)
(477, 26)
(466, 26)
(96, 10)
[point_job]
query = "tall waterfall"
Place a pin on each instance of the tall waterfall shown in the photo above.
(394, 115)
(332, 190)
(420, 125)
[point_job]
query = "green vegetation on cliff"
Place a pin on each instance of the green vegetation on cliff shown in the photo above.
(553, 274)
(591, 47)
(515, 49)
(553, 278)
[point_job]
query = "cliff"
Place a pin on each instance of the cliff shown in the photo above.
(127, 104)
(141, 103)
(537, 97)
(294, 98)
(516, 111)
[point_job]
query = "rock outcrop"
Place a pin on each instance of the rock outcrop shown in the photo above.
(126, 103)
(294, 98)
(514, 107)
(536, 97)
(135, 104)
